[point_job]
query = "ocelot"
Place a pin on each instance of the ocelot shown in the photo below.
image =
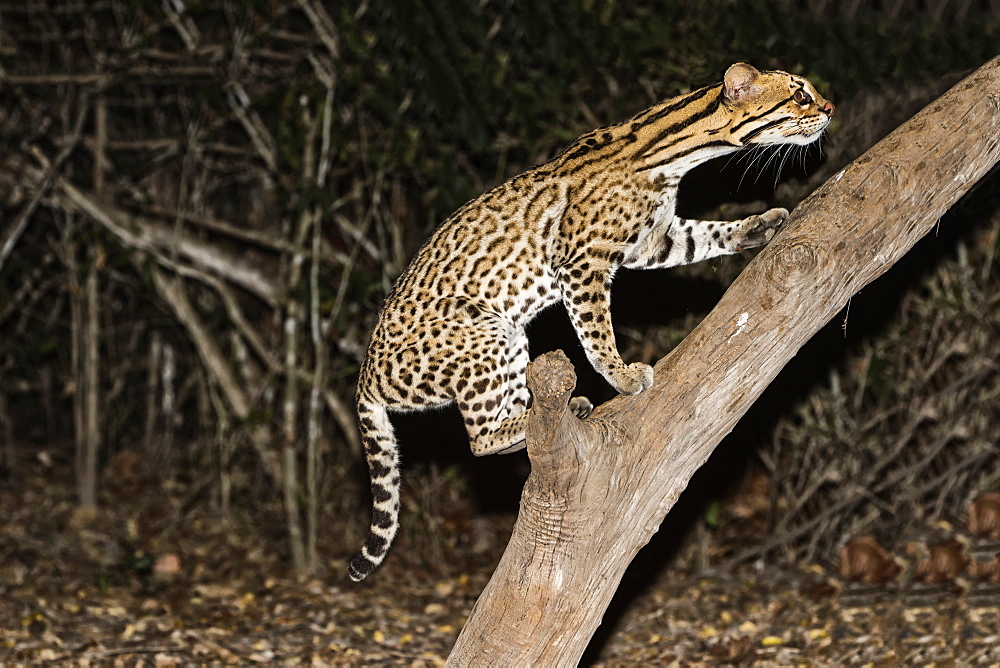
(452, 330)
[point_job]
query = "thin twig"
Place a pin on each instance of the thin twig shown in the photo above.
(20, 222)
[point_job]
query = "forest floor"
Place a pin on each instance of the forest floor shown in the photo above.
(74, 591)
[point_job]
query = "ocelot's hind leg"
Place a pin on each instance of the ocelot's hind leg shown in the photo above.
(489, 388)
(520, 397)
(495, 410)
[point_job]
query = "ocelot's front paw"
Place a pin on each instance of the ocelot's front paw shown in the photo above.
(632, 379)
(760, 228)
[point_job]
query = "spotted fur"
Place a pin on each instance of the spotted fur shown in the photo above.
(453, 328)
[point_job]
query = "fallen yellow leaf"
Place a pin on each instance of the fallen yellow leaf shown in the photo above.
(435, 609)
(707, 632)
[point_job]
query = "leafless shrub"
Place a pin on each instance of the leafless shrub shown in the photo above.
(905, 433)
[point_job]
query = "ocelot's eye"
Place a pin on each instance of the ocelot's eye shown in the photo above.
(802, 97)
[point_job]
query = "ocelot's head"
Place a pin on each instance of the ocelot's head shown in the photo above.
(773, 107)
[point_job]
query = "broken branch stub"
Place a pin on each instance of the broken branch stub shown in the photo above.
(551, 379)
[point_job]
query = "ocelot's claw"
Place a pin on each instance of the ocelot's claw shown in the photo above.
(581, 406)
(632, 379)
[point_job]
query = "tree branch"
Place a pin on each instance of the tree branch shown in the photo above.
(152, 238)
(574, 538)
(52, 169)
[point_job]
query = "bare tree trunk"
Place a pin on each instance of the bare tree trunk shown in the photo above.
(90, 376)
(293, 323)
(90, 373)
(6, 430)
(314, 429)
(76, 311)
(85, 355)
(314, 426)
(150, 439)
(290, 435)
(599, 488)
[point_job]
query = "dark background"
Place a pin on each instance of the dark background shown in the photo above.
(155, 155)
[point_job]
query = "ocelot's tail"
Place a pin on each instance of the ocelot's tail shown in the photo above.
(383, 465)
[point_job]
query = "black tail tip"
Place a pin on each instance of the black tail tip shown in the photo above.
(360, 567)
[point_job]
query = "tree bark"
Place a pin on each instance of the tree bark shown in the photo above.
(600, 487)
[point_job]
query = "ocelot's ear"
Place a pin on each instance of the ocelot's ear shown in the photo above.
(740, 83)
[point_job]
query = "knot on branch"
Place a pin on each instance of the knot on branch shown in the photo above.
(790, 258)
(551, 379)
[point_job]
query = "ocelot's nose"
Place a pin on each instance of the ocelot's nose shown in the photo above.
(827, 108)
